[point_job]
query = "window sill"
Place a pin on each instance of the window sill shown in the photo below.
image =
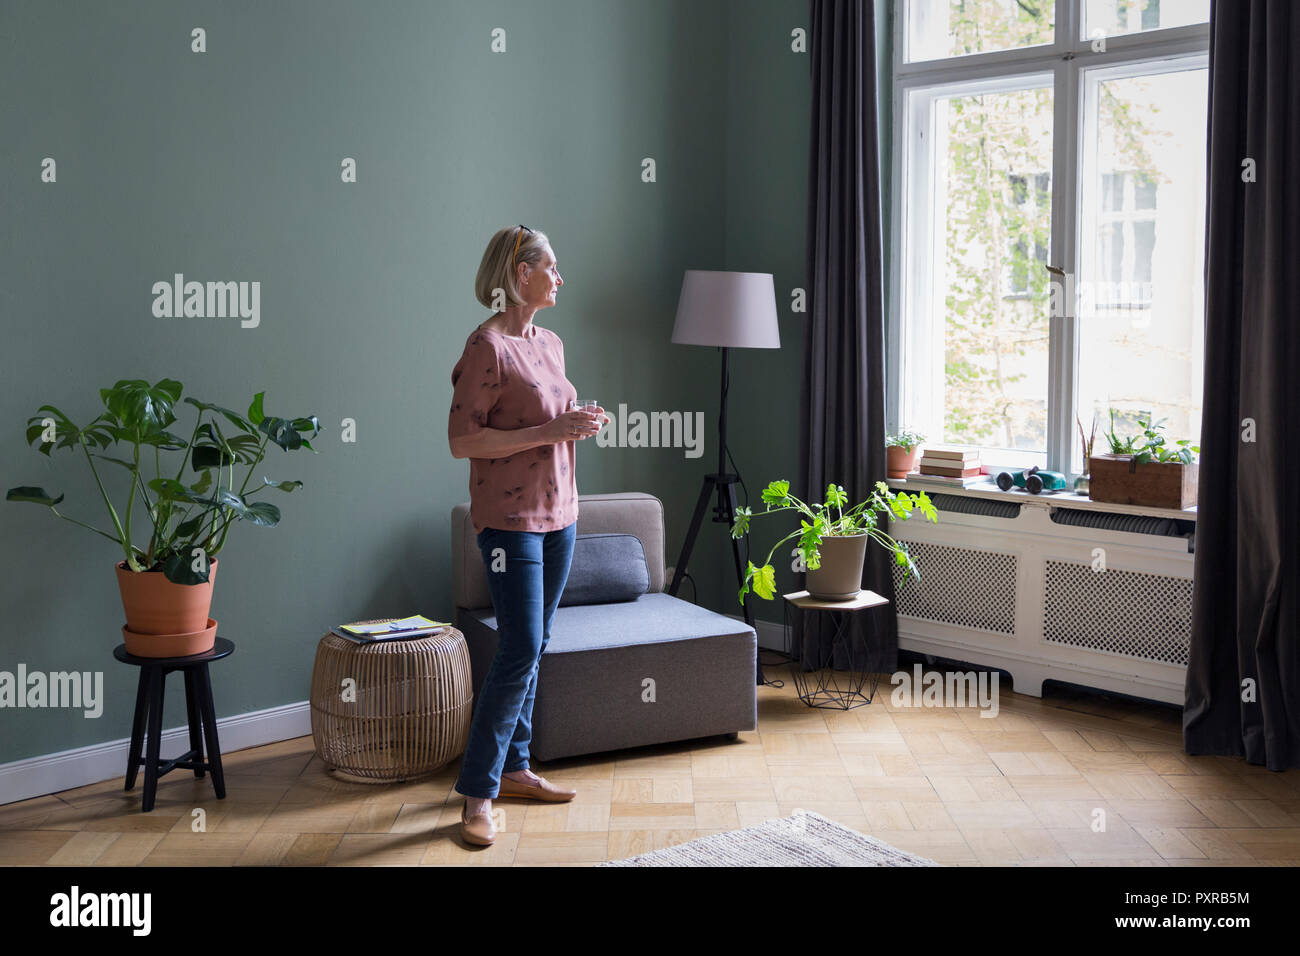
(1049, 501)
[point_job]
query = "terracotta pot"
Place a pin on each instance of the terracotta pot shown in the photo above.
(171, 645)
(840, 576)
(154, 605)
(899, 460)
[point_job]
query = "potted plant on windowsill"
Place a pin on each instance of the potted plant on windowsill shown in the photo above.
(901, 451)
(166, 586)
(833, 541)
(1086, 443)
(1144, 469)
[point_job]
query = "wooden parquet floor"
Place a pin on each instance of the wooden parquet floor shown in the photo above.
(1027, 787)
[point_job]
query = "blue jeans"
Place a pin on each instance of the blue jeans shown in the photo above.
(534, 567)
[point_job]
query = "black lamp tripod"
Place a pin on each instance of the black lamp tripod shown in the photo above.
(724, 512)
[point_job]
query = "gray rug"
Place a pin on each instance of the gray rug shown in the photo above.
(804, 839)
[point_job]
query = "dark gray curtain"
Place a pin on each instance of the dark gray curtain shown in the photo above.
(842, 398)
(1244, 626)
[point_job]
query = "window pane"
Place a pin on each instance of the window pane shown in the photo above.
(1144, 247)
(1112, 191)
(987, 310)
(1118, 17)
(943, 28)
(1145, 192)
(1112, 258)
(1142, 227)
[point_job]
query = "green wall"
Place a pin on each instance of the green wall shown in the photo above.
(767, 199)
(225, 166)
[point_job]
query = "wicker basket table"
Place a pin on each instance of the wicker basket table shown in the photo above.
(391, 710)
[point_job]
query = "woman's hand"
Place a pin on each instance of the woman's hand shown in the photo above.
(574, 426)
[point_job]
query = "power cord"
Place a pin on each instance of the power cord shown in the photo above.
(695, 591)
(743, 488)
(784, 659)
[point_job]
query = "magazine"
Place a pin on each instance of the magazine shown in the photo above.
(417, 625)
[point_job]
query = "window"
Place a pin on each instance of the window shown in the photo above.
(1029, 220)
(939, 28)
(1126, 237)
(1070, 135)
(1142, 196)
(1119, 17)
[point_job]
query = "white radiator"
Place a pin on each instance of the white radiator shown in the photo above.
(1027, 595)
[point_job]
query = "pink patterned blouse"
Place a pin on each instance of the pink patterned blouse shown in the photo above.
(507, 381)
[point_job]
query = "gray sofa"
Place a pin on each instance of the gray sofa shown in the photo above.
(591, 680)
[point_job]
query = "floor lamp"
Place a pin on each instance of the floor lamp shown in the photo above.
(725, 310)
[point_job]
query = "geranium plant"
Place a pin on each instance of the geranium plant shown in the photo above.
(189, 517)
(904, 439)
(831, 518)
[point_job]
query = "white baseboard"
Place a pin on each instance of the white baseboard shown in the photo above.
(769, 633)
(51, 773)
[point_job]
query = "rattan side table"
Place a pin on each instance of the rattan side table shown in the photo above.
(391, 710)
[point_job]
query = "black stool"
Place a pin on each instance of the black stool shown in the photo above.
(198, 705)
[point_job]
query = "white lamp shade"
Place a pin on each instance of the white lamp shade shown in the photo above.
(727, 309)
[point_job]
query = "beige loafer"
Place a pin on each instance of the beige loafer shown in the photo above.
(477, 829)
(543, 790)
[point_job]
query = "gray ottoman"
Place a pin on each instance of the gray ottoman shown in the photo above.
(625, 674)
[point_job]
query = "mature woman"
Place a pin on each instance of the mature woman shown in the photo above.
(510, 418)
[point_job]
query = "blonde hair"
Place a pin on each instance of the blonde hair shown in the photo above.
(498, 270)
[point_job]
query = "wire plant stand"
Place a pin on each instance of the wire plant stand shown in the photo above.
(829, 686)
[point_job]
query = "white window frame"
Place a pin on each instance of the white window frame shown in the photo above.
(1065, 60)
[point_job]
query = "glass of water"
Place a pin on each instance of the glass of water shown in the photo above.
(588, 405)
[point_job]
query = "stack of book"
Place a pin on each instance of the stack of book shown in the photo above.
(949, 466)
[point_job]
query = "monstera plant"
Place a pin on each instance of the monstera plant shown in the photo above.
(167, 565)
